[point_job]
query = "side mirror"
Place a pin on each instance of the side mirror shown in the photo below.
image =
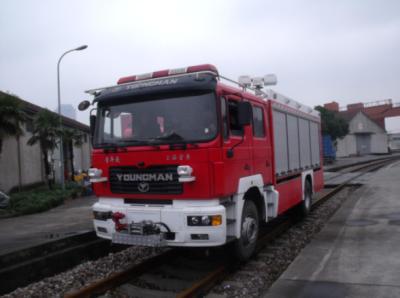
(244, 113)
(84, 105)
(92, 124)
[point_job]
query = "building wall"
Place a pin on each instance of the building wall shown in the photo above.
(394, 141)
(362, 124)
(379, 143)
(31, 162)
(9, 164)
(55, 157)
(82, 156)
(27, 170)
(346, 146)
(32, 170)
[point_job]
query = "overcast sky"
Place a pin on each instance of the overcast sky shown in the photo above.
(347, 51)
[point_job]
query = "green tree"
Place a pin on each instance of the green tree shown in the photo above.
(332, 124)
(46, 132)
(71, 138)
(11, 117)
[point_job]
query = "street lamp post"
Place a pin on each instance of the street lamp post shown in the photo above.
(59, 112)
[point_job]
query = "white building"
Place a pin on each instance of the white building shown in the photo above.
(365, 137)
(394, 141)
(22, 165)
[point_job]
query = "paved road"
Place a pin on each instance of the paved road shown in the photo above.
(72, 217)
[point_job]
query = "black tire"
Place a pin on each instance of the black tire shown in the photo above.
(246, 245)
(305, 207)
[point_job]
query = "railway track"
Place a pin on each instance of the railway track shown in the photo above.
(35, 263)
(188, 272)
(349, 167)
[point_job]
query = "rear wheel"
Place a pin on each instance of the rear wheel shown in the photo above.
(246, 245)
(305, 207)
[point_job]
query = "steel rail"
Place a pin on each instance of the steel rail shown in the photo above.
(345, 166)
(118, 278)
(373, 166)
(206, 283)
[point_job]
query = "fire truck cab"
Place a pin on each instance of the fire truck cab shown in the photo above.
(186, 157)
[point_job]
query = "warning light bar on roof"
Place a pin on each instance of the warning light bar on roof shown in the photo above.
(168, 72)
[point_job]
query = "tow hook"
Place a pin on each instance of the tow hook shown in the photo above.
(116, 217)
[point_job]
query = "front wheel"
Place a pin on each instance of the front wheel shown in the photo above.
(246, 245)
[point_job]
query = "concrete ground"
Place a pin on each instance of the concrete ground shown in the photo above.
(73, 217)
(357, 253)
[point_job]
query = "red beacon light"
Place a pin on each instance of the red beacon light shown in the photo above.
(168, 72)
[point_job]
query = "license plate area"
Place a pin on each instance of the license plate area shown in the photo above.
(154, 240)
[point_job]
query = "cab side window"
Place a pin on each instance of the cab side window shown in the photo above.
(234, 128)
(258, 122)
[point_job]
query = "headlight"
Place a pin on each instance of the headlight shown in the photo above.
(185, 174)
(95, 173)
(194, 220)
(102, 215)
(185, 170)
(204, 220)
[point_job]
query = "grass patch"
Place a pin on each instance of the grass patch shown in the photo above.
(39, 199)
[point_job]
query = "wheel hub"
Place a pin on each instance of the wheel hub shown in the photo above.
(249, 230)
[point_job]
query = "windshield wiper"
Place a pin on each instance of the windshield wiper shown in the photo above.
(110, 147)
(171, 137)
(180, 142)
(107, 145)
(148, 142)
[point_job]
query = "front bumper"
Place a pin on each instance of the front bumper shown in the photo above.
(174, 216)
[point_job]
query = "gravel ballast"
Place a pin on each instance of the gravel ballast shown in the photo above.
(83, 274)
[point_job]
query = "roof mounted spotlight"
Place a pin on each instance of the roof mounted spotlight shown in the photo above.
(245, 81)
(270, 79)
(257, 82)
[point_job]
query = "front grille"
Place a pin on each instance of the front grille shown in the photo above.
(151, 180)
(148, 202)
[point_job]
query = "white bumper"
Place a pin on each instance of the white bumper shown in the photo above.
(174, 216)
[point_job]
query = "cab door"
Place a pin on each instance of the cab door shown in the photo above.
(261, 147)
(236, 145)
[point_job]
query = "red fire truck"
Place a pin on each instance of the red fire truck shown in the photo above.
(186, 157)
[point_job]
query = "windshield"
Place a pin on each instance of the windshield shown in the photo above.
(183, 119)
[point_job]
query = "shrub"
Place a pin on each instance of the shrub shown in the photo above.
(40, 199)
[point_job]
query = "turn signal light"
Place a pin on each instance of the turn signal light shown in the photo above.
(216, 220)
